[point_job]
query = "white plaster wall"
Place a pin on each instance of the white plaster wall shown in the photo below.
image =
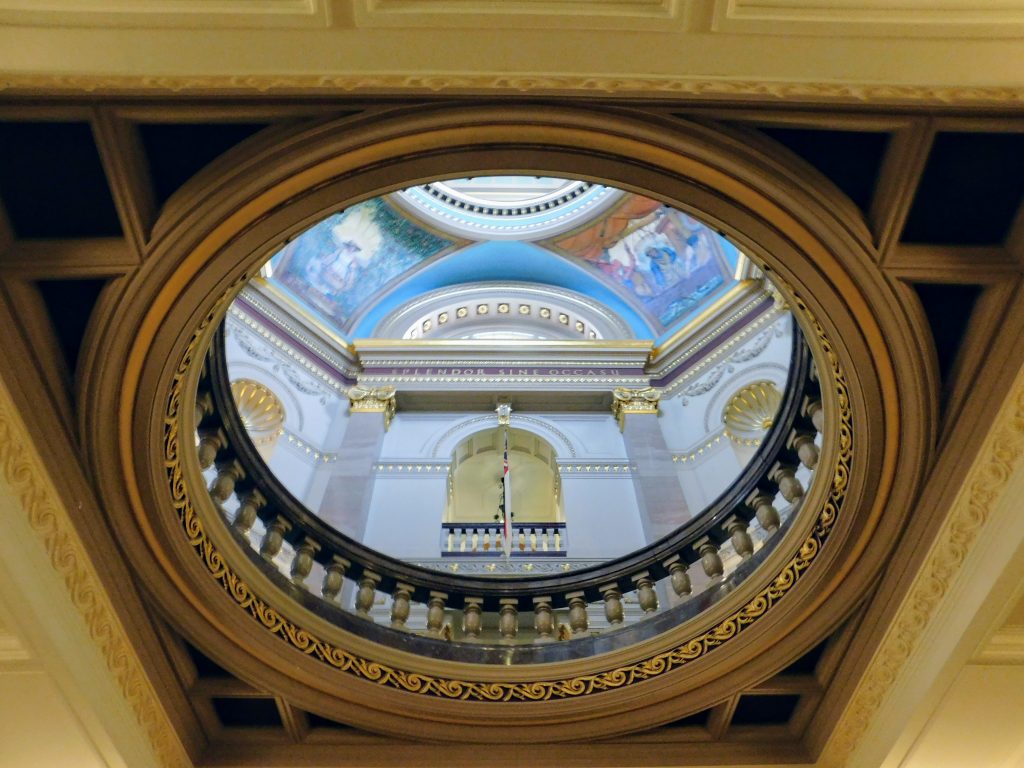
(405, 515)
(601, 516)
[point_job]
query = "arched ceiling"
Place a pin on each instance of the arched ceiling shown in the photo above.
(652, 266)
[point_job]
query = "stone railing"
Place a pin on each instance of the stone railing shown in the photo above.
(485, 539)
(712, 551)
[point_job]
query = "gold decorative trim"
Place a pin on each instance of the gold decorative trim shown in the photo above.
(388, 83)
(626, 401)
(373, 400)
(23, 471)
(984, 486)
(309, 643)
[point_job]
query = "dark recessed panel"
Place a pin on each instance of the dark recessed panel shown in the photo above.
(775, 709)
(205, 666)
(247, 712)
(52, 182)
(316, 721)
(697, 719)
(178, 151)
(850, 159)
(948, 308)
(807, 663)
(970, 190)
(70, 303)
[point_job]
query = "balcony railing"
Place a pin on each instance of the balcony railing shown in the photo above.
(729, 536)
(485, 540)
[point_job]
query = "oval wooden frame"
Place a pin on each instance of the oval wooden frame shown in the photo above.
(235, 213)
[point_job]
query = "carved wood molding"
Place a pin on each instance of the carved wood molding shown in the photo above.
(981, 493)
(503, 83)
(24, 472)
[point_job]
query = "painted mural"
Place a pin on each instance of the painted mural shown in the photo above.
(342, 262)
(662, 258)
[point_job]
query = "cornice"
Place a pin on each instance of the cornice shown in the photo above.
(446, 82)
(983, 490)
(24, 472)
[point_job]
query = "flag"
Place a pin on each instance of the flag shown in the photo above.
(506, 536)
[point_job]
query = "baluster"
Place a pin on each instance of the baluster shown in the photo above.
(273, 539)
(251, 504)
(451, 539)
(476, 540)
(612, 603)
(736, 527)
(211, 442)
(471, 617)
(545, 534)
(803, 444)
(228, 473)
(521, 536)
(302, 562)
(558, 540)
(508, 618)
(543, 620)
(462, 539)
(533, 539)
(435, 613)
(334, 578)
(487, 539)
(767, 514)
(782, 475)
(204, 407)
(577, 612)
(677, 571)
(812, 409)
(645, 592)
(400, 605)
(709, 557)
(367, 592)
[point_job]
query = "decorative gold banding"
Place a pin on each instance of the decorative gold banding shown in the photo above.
(310, 643)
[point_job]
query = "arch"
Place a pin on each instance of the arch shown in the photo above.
(454, 434)
(475, 478)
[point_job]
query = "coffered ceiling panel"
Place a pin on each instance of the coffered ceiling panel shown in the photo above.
(168, 14)
(626, 15)
(872, 18)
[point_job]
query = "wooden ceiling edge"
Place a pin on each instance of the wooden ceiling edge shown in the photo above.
(96, 613)
(124, 162)
(384, 84)
(898, 179)
(952, 514)
(30, 330)
(994, 333)
(951, 263)
(70, 258)
(501, 753)
(52, 439)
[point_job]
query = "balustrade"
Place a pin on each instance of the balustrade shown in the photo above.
(485, 539)
(704, 552)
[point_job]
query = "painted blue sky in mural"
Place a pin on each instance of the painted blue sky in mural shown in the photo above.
(658, 264)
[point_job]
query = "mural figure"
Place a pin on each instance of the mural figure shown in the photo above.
(341, 263)
(661, 257)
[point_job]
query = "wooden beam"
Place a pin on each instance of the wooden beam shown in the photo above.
(897, 183)
(124, 161)
(951, 264)
(79, 257)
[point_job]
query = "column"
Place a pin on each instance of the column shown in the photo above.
(346, 502)
(658, 493)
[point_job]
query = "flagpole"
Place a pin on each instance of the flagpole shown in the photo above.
(507, 488)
